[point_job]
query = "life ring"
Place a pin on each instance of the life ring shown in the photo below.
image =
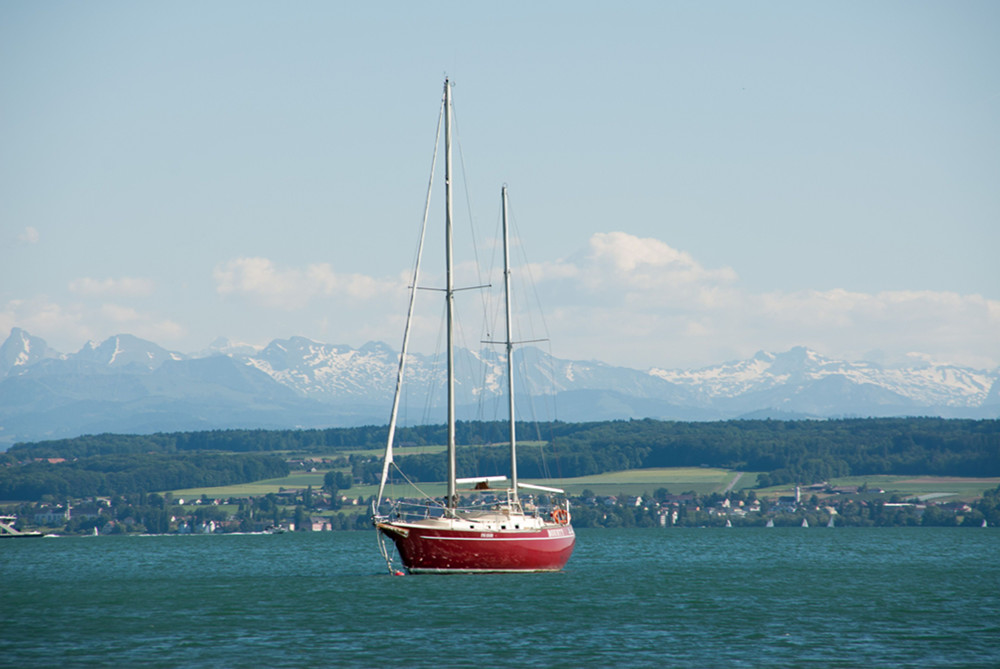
(560, 516)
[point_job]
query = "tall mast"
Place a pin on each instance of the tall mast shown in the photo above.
(449, 297)
(509, 345)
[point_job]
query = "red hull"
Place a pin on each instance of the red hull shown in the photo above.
(426, 549)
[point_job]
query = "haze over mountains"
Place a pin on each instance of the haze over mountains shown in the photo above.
(127, 384)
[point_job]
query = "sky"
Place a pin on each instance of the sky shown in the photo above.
(690, 182)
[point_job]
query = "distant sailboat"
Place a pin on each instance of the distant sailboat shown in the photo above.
(805, 523)
(830, 523)
(7, 530)
(985, 524)
(729, 523)
(770, 522)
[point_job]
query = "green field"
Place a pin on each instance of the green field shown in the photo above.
(257, 488)
(367, 452)
(924, 488)
(631, 482)
(939, 488)
(702, 480)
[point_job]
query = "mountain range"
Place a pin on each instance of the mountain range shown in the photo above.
(126, 384)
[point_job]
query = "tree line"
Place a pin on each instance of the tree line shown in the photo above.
(313, 441)
(785, 451)
(108, 475)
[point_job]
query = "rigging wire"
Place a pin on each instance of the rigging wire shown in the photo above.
(468, 206)
(409, 317)
(479, 398)
(434, 384)
(530, 287)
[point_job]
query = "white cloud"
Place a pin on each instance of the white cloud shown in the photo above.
(124, 286)
(357, 286)
(29, 235)
(641, 303)
(555, 270)
(45, 319)
(647, 262)
(140, 324)
(293, 288)
(645, 273)
(620, 299)
(257, 276)
(66, 327)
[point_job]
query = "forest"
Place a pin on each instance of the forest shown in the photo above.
(115, 474)
(784, 451)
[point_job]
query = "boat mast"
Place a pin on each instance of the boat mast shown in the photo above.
(449, 297)
(509, 343)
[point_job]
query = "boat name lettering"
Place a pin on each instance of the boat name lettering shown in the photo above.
(486, 535)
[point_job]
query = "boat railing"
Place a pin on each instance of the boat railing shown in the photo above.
(406, 510)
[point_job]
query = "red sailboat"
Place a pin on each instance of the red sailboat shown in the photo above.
(513, 534)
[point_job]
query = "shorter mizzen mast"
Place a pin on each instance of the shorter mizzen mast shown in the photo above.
(509, 345)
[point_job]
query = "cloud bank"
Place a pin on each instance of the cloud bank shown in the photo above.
(292, 288)
(644, 301)
(80, 322)
(620, 299)
(126, 286)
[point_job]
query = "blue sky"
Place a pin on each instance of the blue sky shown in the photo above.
(692, 182)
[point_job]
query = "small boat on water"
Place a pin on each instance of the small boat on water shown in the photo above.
(805, 523)
(770, 522)
(7, 530)
(516, 533)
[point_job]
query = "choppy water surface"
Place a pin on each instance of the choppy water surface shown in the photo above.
(743, 597)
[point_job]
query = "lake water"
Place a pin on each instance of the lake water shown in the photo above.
(739, 597)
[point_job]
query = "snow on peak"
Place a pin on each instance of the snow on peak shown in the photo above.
(226, 346)
(332, 372)
(21, 350)
(124, 349)
(924, 382)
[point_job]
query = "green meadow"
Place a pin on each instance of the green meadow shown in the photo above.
(938, 488)
(701, 480)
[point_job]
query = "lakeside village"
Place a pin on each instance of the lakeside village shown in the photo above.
(333, 508)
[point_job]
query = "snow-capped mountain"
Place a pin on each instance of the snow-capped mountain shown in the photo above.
(21, 350)
(924, 383)
(330, 372)
(126, 384)
(124, 349)
(327, 371)
(226, 346)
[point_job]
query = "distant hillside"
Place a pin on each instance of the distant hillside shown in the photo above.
(783, 451)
